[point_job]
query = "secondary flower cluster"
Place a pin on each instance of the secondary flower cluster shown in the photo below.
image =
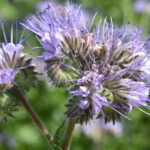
(12, 59)
(107, 68)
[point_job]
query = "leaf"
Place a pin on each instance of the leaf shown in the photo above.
(8, 105)
(57, 138)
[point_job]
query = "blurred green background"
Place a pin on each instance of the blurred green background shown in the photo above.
(21, 134)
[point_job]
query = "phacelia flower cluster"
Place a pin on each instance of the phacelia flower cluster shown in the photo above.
(107, 68)
(12, 59)
(59, 29)
(54, 24)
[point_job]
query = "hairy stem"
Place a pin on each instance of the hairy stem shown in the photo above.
(68, 134)
(32, 114)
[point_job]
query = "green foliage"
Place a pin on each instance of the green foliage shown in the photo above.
(26, 78)
(57, 138)
(8, 105)
(107, 94)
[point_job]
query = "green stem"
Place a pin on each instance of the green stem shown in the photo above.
(70, 124)
(32, 113)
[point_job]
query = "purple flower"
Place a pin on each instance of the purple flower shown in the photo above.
(108, 67)
(11, 59)
(84, 104)
(115, 72)
(54, 24)
(83, 91)
(141, 6)
(6, 75)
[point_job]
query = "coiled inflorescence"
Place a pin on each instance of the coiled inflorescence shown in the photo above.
(12, 59)
(13, 64)
(108, 67)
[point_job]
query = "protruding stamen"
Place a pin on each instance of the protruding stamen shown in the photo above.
(3, 29)
(11, 39)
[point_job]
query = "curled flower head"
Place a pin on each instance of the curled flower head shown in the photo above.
(114, 79)
(107, 68)
(112, 76)
(54, 25)
(12, 59)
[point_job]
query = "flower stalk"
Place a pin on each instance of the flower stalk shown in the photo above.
(32, 114)
(70, 125)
